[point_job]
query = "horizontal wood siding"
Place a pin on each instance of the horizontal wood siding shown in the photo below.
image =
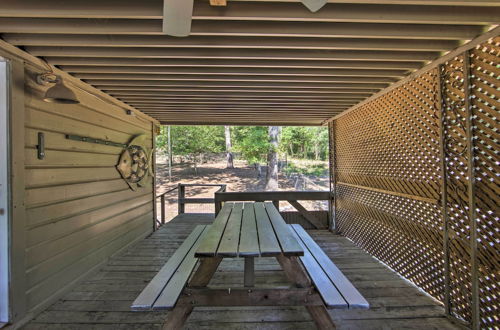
(78, 209)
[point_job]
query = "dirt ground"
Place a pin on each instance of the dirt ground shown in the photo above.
(241, 178)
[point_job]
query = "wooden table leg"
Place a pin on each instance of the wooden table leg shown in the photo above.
(205, 272)
(297, 274)
(249, 278)
(294, 271)
(178, 316)
(321, 318)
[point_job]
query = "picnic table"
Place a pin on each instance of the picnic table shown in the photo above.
(249, 230)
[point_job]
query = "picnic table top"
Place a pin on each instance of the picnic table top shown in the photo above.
(250, 229)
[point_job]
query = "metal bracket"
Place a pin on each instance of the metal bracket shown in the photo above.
(41, 146)
(92, 140)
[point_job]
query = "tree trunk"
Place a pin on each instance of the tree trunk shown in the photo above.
(169, 147)
(258, 168)
(272, 160)
(229, 154)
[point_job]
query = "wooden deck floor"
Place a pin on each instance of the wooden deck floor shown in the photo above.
(103, 300)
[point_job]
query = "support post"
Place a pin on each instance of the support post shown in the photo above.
(441, 109)
(181, 207)
(162, 198)
(249, 277)
(471, 191)
(332, 201)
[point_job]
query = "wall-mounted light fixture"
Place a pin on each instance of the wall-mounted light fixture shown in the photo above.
(59, 93)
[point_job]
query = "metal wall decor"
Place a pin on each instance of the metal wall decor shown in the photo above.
(415, 177)
(135, 163)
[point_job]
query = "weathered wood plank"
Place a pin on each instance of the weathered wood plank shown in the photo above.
(329, 293)
(212, 237)
(317, 223)
(344, 286)
(288, 243)
(268, 242)
(249, 242)
(231, 238)
(153, 290)
(168, 297)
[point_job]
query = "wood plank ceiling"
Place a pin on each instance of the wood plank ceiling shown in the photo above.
(251, 62)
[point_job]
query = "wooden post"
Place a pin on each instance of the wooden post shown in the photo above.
(181, 207)
(162, 208)
(444, 191)
(249, 277)
(332, 200)
(321, 318)
(471, 192)
(294, 271)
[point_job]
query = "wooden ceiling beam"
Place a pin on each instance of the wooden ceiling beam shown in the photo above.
(119, 64)
(195, 99)
(377, 81)
(315, 89)
(196, 53)
(248, 73)
(229, 82)
(228, 98)
(236, 107)
(223, 93)
(236, 102)
(260, 11)
(227, 42)
(264, 67)
(239, 122)
(238, 28)
(249, 113)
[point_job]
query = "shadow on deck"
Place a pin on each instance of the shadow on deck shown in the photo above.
(103, 300)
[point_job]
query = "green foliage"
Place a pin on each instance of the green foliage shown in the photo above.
(192, 140)
(251, 142)
(305, 142)
(307, 169)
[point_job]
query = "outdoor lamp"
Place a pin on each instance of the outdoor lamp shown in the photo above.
(59, 93)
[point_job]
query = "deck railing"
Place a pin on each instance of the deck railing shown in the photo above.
(182, 200)
(319, 219)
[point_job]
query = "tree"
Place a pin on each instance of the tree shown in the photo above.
(229, 153)
(193, 141)
(252, 143)
(272, 159)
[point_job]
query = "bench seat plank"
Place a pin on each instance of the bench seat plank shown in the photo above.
(211, 242)
(150, 294)
(342, 283)
(288, 242)
(268, 241)
(173, 289)
(230, 239)
(249, 242)
(331, 296)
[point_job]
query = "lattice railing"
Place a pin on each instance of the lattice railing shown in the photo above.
(398, 198)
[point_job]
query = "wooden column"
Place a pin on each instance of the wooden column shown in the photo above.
(178, 316)
(441, 109)
(163, 215)
(249, 277)
(471, 191)
(181, 207)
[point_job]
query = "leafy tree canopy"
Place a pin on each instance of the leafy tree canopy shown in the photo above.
(252, 143)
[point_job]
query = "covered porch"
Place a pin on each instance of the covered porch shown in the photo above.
(409, 91)
(103, 299)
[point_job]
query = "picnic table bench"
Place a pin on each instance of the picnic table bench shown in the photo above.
(249, 230)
